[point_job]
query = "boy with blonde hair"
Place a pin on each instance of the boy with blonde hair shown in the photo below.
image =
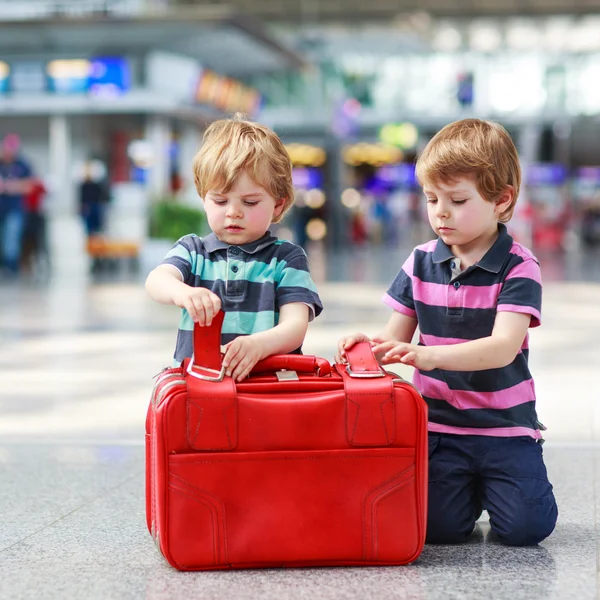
(473, 293)
(243, 175)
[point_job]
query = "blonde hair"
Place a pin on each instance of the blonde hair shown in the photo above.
(472, 146)
(232, 146)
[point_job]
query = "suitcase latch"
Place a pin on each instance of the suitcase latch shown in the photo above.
(364, 373)
(285, 375)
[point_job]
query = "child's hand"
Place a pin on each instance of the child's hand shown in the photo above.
(241, 355)
(201, 304)
(347, 342)
(415, 356)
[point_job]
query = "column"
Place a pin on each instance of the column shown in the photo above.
(63, 198)
(189, 143)
(66, 233)
(158, 135)
(528, 142)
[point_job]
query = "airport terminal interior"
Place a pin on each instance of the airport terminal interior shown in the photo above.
(105, 103)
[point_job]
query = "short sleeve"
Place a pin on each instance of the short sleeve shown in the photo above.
(400, 294)
(184, 256)
(522, 291)
(294, 282)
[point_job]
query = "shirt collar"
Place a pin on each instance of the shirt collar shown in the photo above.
(492, 260)
(213, 243)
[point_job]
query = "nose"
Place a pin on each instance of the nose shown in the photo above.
(441, 210)
(234, 210)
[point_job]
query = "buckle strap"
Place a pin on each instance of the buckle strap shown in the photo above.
(211, 414)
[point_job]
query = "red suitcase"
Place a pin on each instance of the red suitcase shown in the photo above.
(302, 464)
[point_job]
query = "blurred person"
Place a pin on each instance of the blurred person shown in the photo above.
(92, 198)
(34, 247)
(243, 174)
(15, 178)
(473, 293)
(358, 227)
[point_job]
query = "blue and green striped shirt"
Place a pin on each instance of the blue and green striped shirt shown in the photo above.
(252, 280)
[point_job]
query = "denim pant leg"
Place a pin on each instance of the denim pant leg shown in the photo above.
(516, 492)
(453, 503)
(11, 238)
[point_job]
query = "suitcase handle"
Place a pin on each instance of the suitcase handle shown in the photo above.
(293, 362)
(207, 356)
(361, 362)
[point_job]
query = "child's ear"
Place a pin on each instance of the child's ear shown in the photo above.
(505, 200)
(279, 205)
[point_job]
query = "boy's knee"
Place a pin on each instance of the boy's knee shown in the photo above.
(445, 531)
(530, 525)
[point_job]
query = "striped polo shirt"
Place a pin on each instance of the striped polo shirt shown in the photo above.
(452, 307)
(252, 280)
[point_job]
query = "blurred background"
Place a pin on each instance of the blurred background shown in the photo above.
(102, 107)
(105, 103)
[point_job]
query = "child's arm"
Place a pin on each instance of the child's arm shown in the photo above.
(164, 284)
(399, 328)
(244, 352)
(492, 352)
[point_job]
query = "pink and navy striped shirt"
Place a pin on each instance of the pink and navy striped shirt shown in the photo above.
(452, 307)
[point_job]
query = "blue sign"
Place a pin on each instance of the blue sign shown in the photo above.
(539, 174)
(588, 174)
(401, 175)
(307, 178)
(109, 76)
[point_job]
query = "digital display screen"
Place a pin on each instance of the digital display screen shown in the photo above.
(401, 175)
(591, 174)
(307, 178)
(68, 76)
(227, 94)
(109, 76)
(27, 77)
(545, 174)
(4, 75)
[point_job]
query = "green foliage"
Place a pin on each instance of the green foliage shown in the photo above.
(170, 220)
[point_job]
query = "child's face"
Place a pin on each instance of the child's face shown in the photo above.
(460, 216)
(244, 213)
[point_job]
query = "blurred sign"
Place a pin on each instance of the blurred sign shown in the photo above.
(540, 174)
(27, 77)
(402, 135)
(98, 76)
(371, 154)
(591, 174)
(305, 178)
(68, 76)
(227, 94)
(109, 76)
(400, 175)
(464, 91)
(346, 118)
(305, 155)
(4, 74)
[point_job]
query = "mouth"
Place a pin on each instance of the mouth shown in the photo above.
(234, 229)
(445, 229)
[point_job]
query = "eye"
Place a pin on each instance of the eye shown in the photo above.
(431, 200)
(250, 202)
(458, 202)
(219, 201)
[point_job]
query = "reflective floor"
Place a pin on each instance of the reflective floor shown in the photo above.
(77, 358)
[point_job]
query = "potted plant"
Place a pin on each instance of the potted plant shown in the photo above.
(169, 220)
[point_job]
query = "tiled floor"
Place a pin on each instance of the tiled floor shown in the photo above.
(76, 364)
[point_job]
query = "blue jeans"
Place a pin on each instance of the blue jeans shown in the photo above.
(505, 476)
(11, 232)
